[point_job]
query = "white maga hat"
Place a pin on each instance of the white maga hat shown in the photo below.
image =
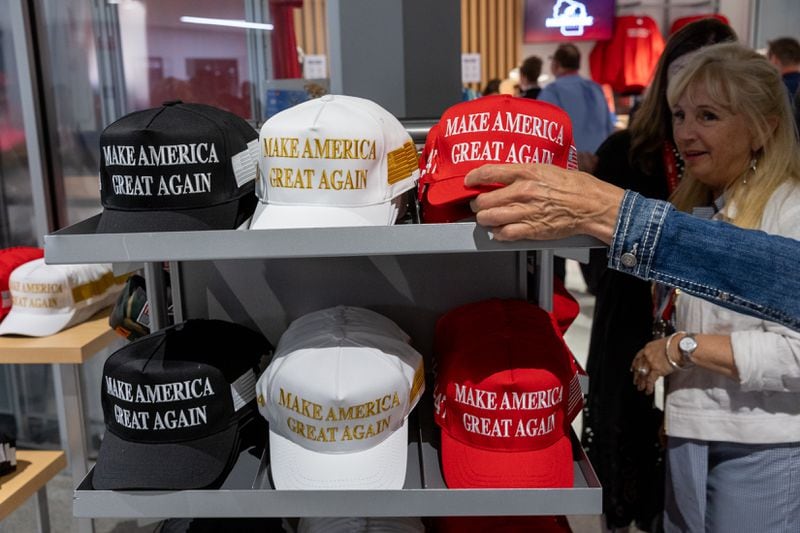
(333, 161)
(337, 398)
(48, 298)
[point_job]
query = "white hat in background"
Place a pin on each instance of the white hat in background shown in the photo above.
(333, 161)
(377, 524)
(48, 298)
(337, 398)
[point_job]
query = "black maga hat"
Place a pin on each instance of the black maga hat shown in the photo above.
(178, 167)
(175, 404)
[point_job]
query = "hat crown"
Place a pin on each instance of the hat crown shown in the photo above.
(173, 158)
(335, 151)
(508, 387)
(333, 388)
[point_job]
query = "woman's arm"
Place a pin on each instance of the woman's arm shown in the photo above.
(744, 270)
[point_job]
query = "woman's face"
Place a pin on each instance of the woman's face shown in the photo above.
(715, 144)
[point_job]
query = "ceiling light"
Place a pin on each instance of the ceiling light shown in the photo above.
(228, 22)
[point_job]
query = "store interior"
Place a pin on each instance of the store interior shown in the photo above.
(69, 70)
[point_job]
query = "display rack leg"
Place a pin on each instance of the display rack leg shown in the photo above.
(70, 405)
(42, 511)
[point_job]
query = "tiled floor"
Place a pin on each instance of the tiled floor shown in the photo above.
(60, 493)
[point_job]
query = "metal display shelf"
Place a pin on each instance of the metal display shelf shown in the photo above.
(410, 272)
(247, 493)
(80, 244)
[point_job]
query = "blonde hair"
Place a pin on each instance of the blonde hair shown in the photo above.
(742, 81)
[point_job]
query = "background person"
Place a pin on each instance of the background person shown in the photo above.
(582, 99)
(733, 408)
(492, 87)
(784, 53)
(620, 426)
(529, 73)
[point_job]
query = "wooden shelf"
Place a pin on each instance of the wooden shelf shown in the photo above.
(34, 470)
(73, 345)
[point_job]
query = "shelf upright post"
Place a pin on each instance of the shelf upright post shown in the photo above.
(544, 279)
(154, 282)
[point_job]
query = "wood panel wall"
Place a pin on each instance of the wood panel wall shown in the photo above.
(491, 28)
(311, 27)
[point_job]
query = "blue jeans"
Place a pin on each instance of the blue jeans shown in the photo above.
(717, 487)
(745, 270)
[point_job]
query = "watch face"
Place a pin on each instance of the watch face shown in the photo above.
(687, 344)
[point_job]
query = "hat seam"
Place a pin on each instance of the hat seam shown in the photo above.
(155, 349)
(155, 116)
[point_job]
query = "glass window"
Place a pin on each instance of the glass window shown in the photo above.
(16, 201)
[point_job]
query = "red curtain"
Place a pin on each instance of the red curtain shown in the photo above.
(283, 39)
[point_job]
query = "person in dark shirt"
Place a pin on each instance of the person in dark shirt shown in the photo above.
(784, 53)
(529, 73)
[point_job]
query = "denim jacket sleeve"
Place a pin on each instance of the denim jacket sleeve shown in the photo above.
(744, 270)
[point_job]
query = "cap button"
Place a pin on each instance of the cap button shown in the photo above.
(169, 103)
(326, 98)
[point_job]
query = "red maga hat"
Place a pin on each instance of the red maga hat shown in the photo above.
(506, 391)
(491, 129)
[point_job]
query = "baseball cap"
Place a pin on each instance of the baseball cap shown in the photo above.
(175, 403)
(492, 129)
(333, 161)
(376, 524)
(177, 167)
(48, 298)
(506, 391)
(337, 396)
(130, 316)
(11, 258)
(8, 454)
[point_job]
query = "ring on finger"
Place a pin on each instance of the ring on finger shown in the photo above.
(642, 370)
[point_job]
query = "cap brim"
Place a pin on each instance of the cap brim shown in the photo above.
(271, 216)
(467, 467)
(34, 325)
(217, 217)
(381, 467)
(452, 190)
(122, 464)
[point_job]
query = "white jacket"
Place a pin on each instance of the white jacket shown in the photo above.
(764, 406)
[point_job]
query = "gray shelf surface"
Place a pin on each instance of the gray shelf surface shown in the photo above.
(246, 493)
(80, 244)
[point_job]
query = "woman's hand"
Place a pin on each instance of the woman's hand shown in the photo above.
(650, 364)
(544, 202)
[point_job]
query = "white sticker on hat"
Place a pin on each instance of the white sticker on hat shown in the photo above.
(244, 163)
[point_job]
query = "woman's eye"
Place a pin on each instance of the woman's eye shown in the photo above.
(708, 115)
(677, 115)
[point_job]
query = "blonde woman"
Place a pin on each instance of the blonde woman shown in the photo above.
(733, 400)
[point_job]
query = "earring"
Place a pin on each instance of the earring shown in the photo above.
(752, 169)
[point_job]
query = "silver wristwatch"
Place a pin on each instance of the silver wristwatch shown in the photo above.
(686, 346)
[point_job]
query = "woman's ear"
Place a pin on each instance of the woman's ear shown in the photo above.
(772, 124)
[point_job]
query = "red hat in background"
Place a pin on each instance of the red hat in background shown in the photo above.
(502, 524)
(491, 129)
(506, 391)
(679, 23)
(565, 307)
(11, 258)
